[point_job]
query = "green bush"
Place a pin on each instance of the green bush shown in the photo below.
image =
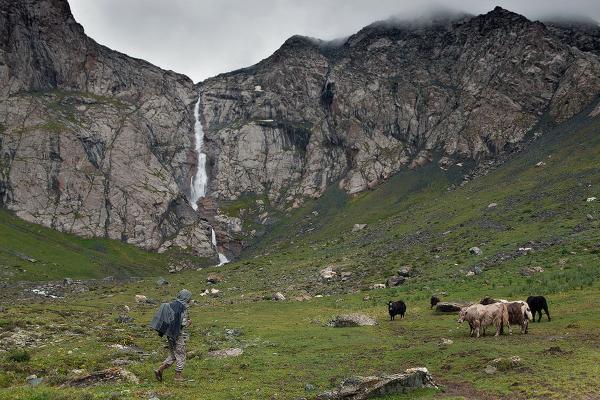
(18, 355)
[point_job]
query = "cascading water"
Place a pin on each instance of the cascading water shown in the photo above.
(200, 179)
(222, 258)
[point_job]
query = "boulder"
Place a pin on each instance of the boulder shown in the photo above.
(476, 251)
(405, 271)
(232, 352)
(162, 281)
(360, 388)
(327, 273)
(351, 320)
(358, 227)
(395, 281)
(140, 298)
(214, 278)
(278, 296)
(448, 307)
(107, 376)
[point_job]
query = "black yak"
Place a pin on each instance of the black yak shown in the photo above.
(396, 308)
(536, 305)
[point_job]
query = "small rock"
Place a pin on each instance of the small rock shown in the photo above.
(540, 164)
(490, 370)
(405, 271)
(475, 251)
(350, 320)
(530, 271)
(214, 278)
(367, 298)
(309, 388)
(232, 352)
(443, 343)
(2, 309)
(492, 205)
(395, 281)
(140, 298)
(590, 199)
(68, 281)
(162, 282)
(470, 273)
(327, 273)
(278, 296)
(358, 227)
(590, 217)
(124, 319)
(214, 291)
(346, 275)
(33, 380)
(378, 286)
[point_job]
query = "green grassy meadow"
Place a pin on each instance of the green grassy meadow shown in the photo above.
(413, 219)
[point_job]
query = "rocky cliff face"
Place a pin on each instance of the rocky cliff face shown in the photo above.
(101, 144)
(389, 97)
(92, 141)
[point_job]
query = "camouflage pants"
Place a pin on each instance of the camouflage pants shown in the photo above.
(176, 352)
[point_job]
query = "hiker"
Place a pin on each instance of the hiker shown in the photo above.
(171, 319)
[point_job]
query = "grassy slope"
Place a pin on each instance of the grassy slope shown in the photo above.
(62, 255)
(286, 344)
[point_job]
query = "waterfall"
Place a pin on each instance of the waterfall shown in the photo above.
(200, 179)
(222, 258)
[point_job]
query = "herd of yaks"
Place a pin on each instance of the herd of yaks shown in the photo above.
(490, 312)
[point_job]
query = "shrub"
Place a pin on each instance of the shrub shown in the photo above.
(18, 355)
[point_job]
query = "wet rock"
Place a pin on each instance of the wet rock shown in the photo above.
(395, 281)
(476, 251)
(361, 388)
(351, 320)
(225, 353)
(358, 227)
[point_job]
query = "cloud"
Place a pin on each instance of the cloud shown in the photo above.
(202, 38)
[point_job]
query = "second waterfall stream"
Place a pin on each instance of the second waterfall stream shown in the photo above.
(200, 180)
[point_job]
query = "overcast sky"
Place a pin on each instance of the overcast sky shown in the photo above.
(202, 38)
